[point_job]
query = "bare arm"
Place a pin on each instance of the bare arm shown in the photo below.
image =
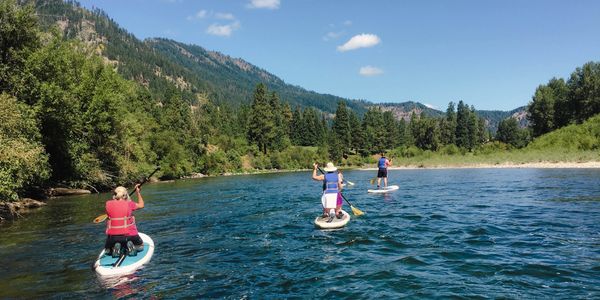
(314, 174)
(140, 203)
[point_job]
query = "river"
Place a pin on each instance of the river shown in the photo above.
(515, 233)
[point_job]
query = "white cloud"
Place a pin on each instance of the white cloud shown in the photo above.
(429, 105)
(224, 16)
(269, 4)
(199, 15)
(333, 35)
(223, 30)
(370, 71)
(364, 40)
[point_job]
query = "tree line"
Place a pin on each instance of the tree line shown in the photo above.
(560, 103)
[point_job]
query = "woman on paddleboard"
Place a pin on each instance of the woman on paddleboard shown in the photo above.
(332, 187)
(382, 166)
(120, 227)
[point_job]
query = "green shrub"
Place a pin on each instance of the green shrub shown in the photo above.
(23, 161)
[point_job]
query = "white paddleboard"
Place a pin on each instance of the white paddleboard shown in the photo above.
(331, 223)
(104, 265)
(389, 188)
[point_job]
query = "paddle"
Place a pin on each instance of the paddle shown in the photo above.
(103, 217)
(355, 211)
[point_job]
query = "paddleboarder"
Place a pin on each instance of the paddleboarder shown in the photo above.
(332, 186)
(383, 165)
(120, 227)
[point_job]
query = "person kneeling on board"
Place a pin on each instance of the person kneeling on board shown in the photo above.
(332, 186)
(120, 227)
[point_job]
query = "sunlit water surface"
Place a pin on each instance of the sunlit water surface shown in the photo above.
(516, 233)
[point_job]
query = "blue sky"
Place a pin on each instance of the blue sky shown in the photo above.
(490, 54)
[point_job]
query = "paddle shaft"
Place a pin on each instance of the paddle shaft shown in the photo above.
(145, 179)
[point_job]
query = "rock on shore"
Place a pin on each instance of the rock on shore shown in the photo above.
(12, 210)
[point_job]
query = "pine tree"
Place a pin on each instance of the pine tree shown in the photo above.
(390, 127)
(341, 127)
(358, 135)
(473, 129)
(297, 127)
(462, 125)
(261, 125)
(448, 126)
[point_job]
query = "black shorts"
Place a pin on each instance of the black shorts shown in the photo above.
(112, 239)
(382, 173)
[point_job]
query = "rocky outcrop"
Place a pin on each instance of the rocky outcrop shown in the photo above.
(12, 210)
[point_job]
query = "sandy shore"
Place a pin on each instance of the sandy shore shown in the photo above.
(535, 165)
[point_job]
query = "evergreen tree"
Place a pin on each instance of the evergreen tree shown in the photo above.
(341, 127)
(473, 129)
(510, 133)
(297, 127)
(358, 135)
(390, 127)
(448, 126)
(280, 139)
(403, 135)
(462, 125)
(261, 125)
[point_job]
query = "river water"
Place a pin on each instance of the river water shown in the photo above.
(515, 233)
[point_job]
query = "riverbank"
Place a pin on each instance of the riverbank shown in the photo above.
(505, 165)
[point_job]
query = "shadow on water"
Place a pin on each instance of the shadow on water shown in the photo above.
(523, 233)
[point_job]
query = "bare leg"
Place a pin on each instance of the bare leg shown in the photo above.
(378, 182)
(385, 181)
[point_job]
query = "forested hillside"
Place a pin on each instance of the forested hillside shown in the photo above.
(158, 63)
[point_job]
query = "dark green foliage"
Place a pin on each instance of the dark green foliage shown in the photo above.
(391, 135)
(559, 104)
(542, 113)
(448, 126)
(23, 161)
(19, 36)
(341, 128)
(584, 92)
(510, 133)
(261, 126)
(358, 135)
(374, 129)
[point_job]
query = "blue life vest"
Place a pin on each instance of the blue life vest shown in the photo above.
(381, 163)
(331, 183)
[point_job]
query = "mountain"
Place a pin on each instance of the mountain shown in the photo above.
(200, 74)
(404, 110)
(160, 63)
(493, 117)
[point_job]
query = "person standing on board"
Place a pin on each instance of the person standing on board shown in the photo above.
(120, 227)
(383, 165)
(332, 186)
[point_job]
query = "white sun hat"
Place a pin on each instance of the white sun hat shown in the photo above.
(330, 167)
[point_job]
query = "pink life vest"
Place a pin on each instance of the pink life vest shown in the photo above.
(120, 218)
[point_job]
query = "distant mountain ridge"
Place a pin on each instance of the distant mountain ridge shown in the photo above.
(200, 74)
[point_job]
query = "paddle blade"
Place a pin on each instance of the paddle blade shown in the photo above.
(356, 211)
(350, 182)
(372, 180)
(100, 218)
